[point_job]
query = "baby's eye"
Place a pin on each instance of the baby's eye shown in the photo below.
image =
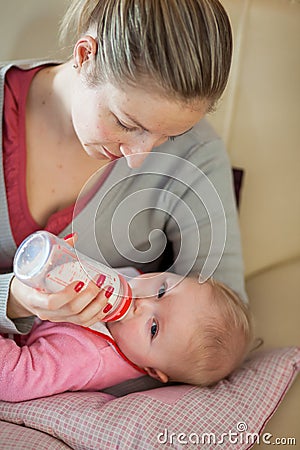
(154, 329)
(161, 291)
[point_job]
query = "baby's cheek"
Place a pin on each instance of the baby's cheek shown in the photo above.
(130, 343)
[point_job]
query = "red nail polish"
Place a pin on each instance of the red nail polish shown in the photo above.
(109, 291)
(79, 286)
(107, 308)
(100, 280)
(69, 236)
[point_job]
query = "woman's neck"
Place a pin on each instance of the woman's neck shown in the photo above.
(52, 91)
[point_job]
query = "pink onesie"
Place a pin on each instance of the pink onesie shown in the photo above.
(58, 357)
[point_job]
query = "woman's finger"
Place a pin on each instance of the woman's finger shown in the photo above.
(75, 303)
(76, 307)
(73, 297)
(92, 313)
(71, 239)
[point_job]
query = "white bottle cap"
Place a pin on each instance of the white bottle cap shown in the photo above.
(31, 257)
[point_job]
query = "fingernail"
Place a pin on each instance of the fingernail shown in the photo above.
(79, 286)
(107, 308)
(69, 236)
(109, 291)
(100, 280)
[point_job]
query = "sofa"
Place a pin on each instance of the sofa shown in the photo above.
(259, 121)
(258, 118)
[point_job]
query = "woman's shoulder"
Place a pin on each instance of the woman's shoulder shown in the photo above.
(194, 141)
(203, 132)
(25, 63)
(201, 146)
(19, 67)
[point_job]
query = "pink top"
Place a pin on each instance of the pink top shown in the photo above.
(58, 357)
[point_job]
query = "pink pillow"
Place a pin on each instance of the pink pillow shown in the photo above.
(172, 416)
(15, 437)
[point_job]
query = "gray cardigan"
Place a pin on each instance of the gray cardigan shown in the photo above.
(176, 212)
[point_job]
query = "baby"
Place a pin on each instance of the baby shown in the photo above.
(183, 330)
(177, 329)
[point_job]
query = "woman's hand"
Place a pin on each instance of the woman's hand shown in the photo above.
(75, 303)
(68, 305)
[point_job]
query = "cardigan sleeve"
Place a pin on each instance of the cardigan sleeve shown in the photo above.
(17, 326)
(6, 325)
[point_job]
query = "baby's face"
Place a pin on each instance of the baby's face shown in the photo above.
(159, 325)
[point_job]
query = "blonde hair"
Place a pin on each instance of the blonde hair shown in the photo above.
(220, 342)
(183, 46)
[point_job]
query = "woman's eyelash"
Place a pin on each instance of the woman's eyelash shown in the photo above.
(154, 329)
(124, 127)
(128, 129)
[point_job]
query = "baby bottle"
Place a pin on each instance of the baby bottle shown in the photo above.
(47, 263)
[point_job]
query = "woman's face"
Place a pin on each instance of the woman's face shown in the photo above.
(112, 122)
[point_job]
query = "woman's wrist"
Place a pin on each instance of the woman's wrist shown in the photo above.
(15, 310)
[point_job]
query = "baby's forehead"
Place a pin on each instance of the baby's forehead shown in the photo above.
(201, 292)
(195, 282)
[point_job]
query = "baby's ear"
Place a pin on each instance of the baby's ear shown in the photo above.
(157, 374)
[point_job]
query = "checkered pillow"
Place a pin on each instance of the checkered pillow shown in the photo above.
(172, 416)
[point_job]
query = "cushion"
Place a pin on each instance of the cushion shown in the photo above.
(14, 437)
(172, 416)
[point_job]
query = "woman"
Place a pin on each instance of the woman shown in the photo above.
(142, 77)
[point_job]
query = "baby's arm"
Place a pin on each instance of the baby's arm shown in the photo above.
(55, 358)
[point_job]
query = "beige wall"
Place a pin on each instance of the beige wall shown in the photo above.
(258, 117)
(259, 120)
(29, 28)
